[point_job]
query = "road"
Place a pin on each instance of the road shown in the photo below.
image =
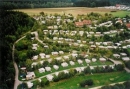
(37, 38)
(17, 82)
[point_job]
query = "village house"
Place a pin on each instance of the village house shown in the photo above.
(30, 75)
(79, 24)
(82, 23)
(49, 77)
(128, 25)
(41, 70)
(29, 85)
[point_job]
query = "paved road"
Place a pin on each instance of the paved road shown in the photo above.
(17, 82)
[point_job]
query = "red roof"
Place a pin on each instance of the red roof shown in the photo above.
(128, 25)
(79, 24)
(87, 22)
(84, 22)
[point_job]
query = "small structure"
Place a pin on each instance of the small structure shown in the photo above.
(42, 55)
(54, 53)
(30, 75)
(80, 61)
(94, 59)
(29, 85)
(49, 77)
(102, 59)
(66, 57)
(87, 61)
(55, 67)
(78, 70)
(41, 70)
(47, 56)
(125, 58)
(35, 57)
(123, 54)
(79, 24)
(116, 55)
(48, 68)
(72, 63)
(61, 52)
(64, 64)
(57, 73)
(66, 71)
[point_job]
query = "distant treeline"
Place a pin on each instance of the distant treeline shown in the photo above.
(14, 4)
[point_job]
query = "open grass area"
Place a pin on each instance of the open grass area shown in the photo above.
(99, 79)
(73, 10)
(120, 13)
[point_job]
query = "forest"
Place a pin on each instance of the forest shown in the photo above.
(16, 4)
(13, 24)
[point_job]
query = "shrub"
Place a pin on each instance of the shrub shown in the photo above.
(88, 82)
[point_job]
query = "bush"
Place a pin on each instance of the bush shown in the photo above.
(88, 82)
(127, 64)
(119, 67)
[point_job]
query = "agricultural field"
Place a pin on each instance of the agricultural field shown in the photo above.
(74, 11)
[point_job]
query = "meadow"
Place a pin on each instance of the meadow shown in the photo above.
(99, 79)
(74, 11)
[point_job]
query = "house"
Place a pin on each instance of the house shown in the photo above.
(49, 77)
(54, 53)
(57, 73)
(102, 59)
(116, 55)
(30, 75)
(128, 25)
(42, 55)
(123, 54)
(41, 70)
(66, 57)
(29, 85)
(55, 67)
(33, 64)
(80, 61)
(78, 70)
(79, 24)
(47, 56)
(61, 52)
(35, 57)
(66, 71)
(87, 22)
(64, 64)
(58, 58)
(87, 61)
(94, 59)
(72, 63)
(125, 58)
(48, 68)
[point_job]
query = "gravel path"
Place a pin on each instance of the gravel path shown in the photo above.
(17, 82)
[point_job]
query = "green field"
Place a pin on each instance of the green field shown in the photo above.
(74, 10)
(99, 79)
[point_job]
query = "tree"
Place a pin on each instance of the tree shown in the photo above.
(28, 63)
(88, 82)
(42, 13)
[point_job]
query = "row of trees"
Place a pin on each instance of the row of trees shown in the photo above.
(125, 85)
(58, 3)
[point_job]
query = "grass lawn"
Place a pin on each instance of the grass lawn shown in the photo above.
(99, 79)
(120, 13)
